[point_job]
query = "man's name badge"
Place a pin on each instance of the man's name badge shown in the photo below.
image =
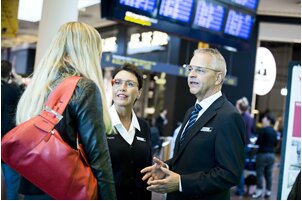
(206, 129)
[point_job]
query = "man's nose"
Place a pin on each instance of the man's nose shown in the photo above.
(193, 73)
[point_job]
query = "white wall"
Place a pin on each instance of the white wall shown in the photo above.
(279, 32)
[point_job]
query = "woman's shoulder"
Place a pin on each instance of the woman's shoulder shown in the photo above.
(86, 82)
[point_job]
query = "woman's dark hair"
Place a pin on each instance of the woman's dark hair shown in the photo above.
(131, 69)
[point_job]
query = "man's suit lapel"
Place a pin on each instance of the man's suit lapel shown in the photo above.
(176, 146)
(194, 130)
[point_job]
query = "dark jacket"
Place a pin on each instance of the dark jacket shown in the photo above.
(128, 161)
(249, 125)
(10, 95)
(160, 122)
(267, 140)
(83, 115)
(210, 159)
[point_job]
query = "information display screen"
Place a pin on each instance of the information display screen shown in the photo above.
(224, 22)
(250, 4)
(239, 24)
(209, 15)
(180, 10)
(144, 5)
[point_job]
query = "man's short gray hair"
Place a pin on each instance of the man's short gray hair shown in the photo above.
(218, 62)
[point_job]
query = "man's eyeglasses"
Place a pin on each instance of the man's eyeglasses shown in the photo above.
(197, 69)
(119, 82)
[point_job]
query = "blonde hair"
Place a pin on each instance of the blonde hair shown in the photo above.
(77, 45)
(218, 61)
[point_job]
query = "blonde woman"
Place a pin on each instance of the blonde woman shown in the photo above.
(75, 50)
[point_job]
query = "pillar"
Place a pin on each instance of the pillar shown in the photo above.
(54, 14)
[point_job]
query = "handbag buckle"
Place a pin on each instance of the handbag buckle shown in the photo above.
(58, 116)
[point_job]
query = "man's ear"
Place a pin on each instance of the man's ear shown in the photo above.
(219, 78)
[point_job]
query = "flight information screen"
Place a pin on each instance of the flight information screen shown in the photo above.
(209, 15)
(239, 24)
(144, 5)
(250, 4)
(180, 10)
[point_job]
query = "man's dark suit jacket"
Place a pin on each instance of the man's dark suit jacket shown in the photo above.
(211, 157)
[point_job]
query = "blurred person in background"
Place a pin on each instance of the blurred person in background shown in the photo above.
(243, 107)
(11, 91)
(130, 147)
(267, 140)
(161, 121)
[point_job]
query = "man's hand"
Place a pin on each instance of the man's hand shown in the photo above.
(154, 172)
(169, 184)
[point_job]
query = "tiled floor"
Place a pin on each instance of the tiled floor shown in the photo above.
(276, 170)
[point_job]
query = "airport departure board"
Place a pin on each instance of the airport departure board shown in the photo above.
(180, 10)
(144, 5)
(239, 24)
(249, 4)
(224, 22)
(209, 15)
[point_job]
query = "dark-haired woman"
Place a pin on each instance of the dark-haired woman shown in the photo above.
(130, 148)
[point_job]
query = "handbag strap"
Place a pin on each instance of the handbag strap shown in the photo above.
(58, 99)
(61, 96)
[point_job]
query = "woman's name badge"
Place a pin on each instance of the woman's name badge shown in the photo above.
(141, 139)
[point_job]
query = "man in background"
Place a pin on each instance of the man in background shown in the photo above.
(10, 94)
(243, 107)
(161, 121)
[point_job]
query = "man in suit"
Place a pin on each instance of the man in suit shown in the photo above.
(209, 150)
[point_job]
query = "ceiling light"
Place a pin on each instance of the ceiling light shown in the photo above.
(229, 48)
(31, 10)
(283, 91)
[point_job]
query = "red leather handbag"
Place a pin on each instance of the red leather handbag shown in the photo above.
(36, 150)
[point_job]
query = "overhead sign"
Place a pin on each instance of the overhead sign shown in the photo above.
(113, 60)
(265, 71)
(9, 18)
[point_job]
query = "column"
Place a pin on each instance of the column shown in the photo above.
(54, 14)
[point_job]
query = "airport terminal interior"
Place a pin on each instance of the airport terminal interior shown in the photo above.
(260, 40)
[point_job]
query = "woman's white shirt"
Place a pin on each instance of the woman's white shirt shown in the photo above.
(117, 124)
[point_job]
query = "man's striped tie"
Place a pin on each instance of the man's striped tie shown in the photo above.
(191, 121)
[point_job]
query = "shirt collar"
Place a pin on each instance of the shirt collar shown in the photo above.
(115, 119)
(206, 103)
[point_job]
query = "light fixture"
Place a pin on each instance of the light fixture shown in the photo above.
(31, 10)
(283, 91)
(230, 48)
